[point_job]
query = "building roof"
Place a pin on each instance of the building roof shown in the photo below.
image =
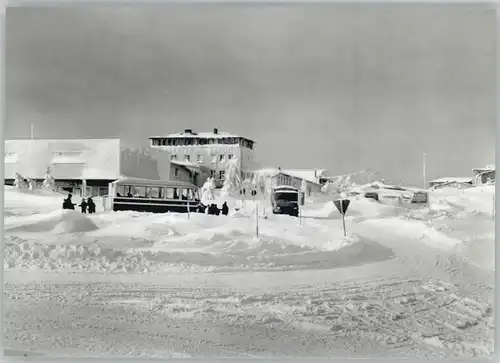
(189, 165)
(271, 172)
(141, 181)
(202, 135)
(311, 175)
(452, 180)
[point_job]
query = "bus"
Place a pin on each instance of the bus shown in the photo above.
(285, 200)
(154, 196)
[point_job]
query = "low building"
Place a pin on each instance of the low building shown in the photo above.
(189, 172)
(317, 176)
(271, 177)
(483, 175)
(83, 167)
(455, 182)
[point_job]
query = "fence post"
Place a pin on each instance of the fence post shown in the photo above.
(257, 221)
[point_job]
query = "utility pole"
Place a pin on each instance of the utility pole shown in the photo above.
(424, 167)
(32, 136)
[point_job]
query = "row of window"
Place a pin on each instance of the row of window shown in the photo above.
(200, 159)
(179, 141)
(156, 192)
(285, 180)
(213, 173)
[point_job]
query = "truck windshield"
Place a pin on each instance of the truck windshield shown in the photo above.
(288, 197)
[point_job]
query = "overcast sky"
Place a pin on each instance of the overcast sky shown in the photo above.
(335, 86)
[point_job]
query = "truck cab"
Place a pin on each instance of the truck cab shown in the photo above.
(285, 200)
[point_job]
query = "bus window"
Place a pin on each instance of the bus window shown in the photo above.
(140, 192)
(156, 192)
(123, 191)
(190, 194)
(172, 193)
(185, 194)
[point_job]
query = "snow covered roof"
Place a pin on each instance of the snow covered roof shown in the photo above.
(271, 172)
(189, 164)
(202, 135)
(311, 175)
(141, 181)
(453, 179)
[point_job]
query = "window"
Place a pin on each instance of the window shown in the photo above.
(187, 157)
(173, 157)
(190, 194)
(230, 156)
(184, 195)
(176, 171)
(221, 174)
(212, 173)
(214, 158)
(67, 157)
(156, 192)
(124, 191)
(10, 158)
(172, 193)
(221, 157)
(140, 192)
(200, 158)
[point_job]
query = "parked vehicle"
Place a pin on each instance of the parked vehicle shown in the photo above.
(372, 195)
(285, 200)
(156, 196)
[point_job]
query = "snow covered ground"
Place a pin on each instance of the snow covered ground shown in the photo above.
(401, 284)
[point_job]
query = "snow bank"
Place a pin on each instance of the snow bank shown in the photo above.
(59, 222)
(140, 242)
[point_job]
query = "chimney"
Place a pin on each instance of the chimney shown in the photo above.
(216, 131)
(188, 131)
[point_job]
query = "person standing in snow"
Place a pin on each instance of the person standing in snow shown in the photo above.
(68, 204)
(83, 205)
(91, 205)
(225, 209)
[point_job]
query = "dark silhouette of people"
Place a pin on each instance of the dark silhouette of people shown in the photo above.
(201, 208)
(83, 205)
(67, 203)
(91, 205)
(225, 209)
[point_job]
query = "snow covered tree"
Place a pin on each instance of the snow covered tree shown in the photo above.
(31, 183)
(19, 181)
(207, 191)
(232, 181)
(48, 182)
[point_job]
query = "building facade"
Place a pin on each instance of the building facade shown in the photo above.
(455, 182)
(208, 152)
(268, 178)
(84, 167)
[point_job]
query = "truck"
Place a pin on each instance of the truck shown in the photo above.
(285, 200)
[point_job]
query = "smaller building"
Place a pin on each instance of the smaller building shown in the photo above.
(83, 167)
(189, 172)
(454, 182)
(277, 177)
(483, 175)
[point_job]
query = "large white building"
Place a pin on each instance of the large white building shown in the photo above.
(82, 166)
(207, 153)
